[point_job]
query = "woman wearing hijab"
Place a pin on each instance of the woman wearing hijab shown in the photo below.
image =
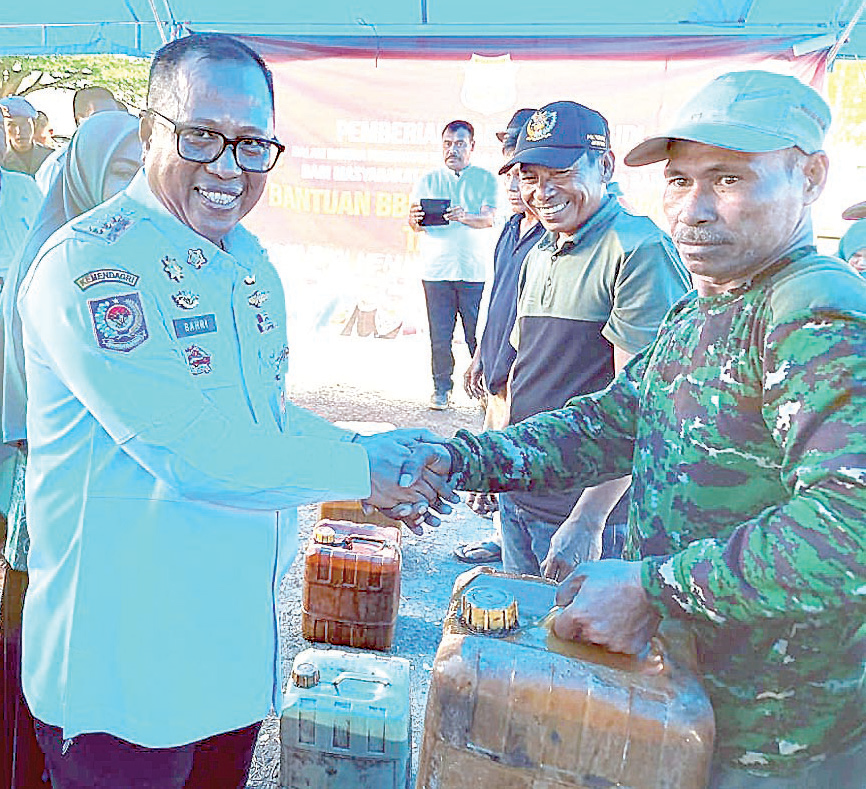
(103, 155)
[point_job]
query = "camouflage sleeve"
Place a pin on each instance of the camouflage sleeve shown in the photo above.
(588, 441)
(808, 553)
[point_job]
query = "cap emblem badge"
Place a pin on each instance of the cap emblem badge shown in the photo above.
(540, 125)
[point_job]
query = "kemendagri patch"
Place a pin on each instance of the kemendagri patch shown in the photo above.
(100, 275)
(118, 322)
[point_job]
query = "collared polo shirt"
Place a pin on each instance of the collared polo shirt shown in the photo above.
(457, 252)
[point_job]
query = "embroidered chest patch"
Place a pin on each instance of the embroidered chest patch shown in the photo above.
(198, 359)
(108, 228)
(258, 298)
(264, 323)
(196, 258)
(172, 269)
(118, 322)
(185, 299)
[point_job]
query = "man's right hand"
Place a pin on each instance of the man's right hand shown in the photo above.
(402, 486)
(429, 465)
(416, 214)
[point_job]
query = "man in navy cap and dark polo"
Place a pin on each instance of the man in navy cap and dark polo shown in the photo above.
(593, 292)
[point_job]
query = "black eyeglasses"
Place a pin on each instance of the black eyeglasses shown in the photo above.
(196, 144)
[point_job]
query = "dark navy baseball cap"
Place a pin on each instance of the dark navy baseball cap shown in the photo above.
(558, 134)
(517, 122)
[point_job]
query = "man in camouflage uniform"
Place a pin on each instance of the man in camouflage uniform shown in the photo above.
(742, 427)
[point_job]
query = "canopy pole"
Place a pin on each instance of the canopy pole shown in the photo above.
(840, 42)
(159, 21)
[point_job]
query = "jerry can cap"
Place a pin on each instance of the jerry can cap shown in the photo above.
(324, 535)
(305, 675)
(488, 609)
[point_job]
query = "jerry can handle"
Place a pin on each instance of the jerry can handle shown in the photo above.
(359, 678)
(350, 538)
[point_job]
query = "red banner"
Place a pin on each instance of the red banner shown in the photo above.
(360, 131)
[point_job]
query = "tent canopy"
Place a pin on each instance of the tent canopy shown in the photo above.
(443, 27)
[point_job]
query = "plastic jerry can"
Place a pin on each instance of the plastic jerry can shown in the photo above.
(351, 590)
(512, 706)
(351, 510)
(345, 722)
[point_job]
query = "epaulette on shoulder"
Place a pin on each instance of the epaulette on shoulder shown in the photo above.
(108, 226)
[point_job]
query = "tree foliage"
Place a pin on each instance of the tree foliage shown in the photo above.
(846, 90)
(124, 76)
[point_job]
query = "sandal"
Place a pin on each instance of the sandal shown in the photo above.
(481, 552)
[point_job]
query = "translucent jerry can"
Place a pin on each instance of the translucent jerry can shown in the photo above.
(345, 722)
(351, 591)
(512, 706)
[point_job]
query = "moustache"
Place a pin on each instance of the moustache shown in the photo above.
(698, 235)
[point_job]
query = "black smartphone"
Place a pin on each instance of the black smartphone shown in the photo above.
(434, 211)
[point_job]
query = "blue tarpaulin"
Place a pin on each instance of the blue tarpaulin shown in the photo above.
(441, 28)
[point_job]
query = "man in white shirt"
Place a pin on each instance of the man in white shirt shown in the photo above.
(454, 252)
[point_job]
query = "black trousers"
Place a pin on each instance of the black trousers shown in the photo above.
(102, 761)
(21, 762)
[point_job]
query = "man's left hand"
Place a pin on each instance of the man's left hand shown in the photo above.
(605, 604)
(456, 213)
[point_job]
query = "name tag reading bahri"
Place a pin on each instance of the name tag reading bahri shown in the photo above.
(195, 324)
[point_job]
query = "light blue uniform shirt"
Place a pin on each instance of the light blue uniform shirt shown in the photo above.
(456, 251)
(20, 200)
(163, 474)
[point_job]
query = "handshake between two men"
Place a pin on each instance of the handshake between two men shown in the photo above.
(409, 476)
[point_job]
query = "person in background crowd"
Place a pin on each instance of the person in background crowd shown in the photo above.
(23, 153)
(486, 378)
(103, 157)
(163, 456)
(19, 204)
(593, 291)
(742, 427)
(852, 245)
(91, 100)
(85, 102)
(42, 131)
(455, 253)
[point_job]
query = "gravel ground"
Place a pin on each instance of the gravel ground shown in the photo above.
(371, 380)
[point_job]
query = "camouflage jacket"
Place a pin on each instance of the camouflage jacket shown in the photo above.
(743, 427)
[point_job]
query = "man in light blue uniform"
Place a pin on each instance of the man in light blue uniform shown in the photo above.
(165, 463)
(20, 199)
